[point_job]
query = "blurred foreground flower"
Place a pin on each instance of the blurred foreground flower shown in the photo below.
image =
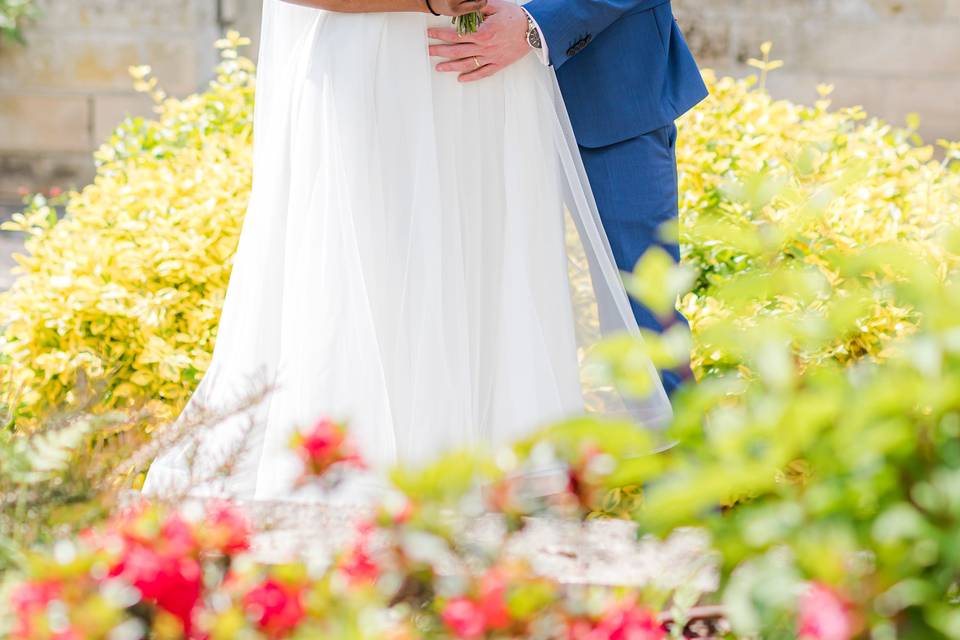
(277, 608)
(321, 448)
(226, 530)
(823, 615)
(622, 622)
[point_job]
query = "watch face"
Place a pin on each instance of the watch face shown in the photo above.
(533, 35)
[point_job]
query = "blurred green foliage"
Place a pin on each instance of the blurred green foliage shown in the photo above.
(12, 15)
(847, 472)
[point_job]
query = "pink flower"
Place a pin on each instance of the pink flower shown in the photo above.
(823, 615)
(464, 618)
(55, 191)
(275, 607)
(34, 595)
(324, 445)
(225, 529)
(492, 599)
(358, 563)
(359, 567)
(30, 600)
(620, 623)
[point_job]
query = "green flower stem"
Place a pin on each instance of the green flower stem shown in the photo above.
(468, 23)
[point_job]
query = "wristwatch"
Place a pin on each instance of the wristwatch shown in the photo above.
(533, 34)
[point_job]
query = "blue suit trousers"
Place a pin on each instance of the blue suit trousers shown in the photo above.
(632, 216)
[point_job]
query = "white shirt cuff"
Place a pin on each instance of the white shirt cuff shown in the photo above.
(543, 53)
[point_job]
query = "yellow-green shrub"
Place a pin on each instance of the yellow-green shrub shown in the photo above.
(878, 183)
(130, 282)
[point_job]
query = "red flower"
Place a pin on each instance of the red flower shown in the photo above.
(620, 623)
(323, 441)
(225, 529)
(324, 445)
(171, 582)
(464, 618)
(31, 596)
(159, 557)
(275, 607)
(55, 191)
(579, 629)
(156, 528)
(359, 567)
(30, 600)
(493, 600)
(823, 615)
(358, 563)
(177, 537)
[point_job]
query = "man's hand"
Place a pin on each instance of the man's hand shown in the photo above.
(500, 41)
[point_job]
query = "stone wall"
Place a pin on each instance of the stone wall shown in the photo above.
(892, 56)
(63, 93)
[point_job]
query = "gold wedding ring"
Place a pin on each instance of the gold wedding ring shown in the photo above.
(476, 62)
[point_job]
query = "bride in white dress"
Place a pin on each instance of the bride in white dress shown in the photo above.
(402, 264)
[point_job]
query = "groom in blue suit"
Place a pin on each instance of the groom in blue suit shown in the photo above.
(626, 75)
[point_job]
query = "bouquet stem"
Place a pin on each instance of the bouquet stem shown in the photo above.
(468, 23)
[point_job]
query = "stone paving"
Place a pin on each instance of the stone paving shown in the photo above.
(598, 552)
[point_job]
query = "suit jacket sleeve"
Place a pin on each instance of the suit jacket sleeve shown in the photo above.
(569, 25)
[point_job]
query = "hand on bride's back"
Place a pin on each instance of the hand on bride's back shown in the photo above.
(457, 7)
(500, 42)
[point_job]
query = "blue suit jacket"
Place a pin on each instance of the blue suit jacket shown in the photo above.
(623, 65)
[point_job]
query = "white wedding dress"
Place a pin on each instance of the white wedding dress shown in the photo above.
(402, 264)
